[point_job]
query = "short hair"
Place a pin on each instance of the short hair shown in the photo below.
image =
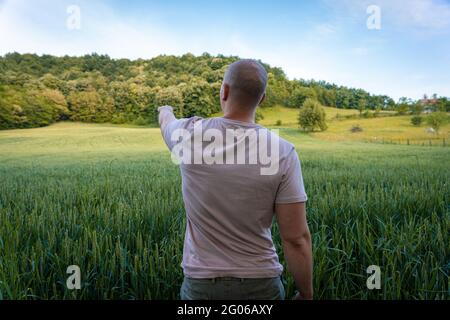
(247, 79)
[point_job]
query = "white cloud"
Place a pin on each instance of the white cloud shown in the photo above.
(430, 16)
(43, 29)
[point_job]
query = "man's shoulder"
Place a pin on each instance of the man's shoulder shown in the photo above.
(186, 123)
(285, 146)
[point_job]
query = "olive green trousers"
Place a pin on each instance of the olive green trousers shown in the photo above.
(232, 289)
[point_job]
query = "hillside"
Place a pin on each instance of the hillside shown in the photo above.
(39, 90)
(289, 116)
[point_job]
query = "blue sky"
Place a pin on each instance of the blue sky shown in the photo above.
(324, 40)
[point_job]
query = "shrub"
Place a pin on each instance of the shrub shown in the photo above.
(278, 123)
(402, 109)
(119, 119)
(377, 112)
(436, 120)
(416, 121)
(312, 116)
(367, 114)
(141, 121)
(356, 128)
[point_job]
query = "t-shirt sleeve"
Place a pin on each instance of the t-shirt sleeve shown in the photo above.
(291, 188)
(176, 129)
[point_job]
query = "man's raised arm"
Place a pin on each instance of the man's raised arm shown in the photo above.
(165, 117)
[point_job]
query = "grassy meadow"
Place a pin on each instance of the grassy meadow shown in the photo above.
(108, 199)
(383, 129)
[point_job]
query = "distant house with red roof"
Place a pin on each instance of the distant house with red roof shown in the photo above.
(428, 102)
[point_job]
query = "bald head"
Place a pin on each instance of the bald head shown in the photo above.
(246, 81)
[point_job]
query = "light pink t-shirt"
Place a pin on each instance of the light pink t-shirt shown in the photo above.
(230, 207)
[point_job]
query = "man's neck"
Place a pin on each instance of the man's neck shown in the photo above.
(238, 116)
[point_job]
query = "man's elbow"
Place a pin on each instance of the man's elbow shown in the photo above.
(301, 241)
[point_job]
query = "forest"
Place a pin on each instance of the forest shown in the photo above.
(38, 90)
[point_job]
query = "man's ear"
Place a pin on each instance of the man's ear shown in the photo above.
(224, 92)
(262, 99)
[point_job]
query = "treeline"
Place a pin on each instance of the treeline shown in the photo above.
(39, 90)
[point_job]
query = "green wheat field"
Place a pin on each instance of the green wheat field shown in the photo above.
(108, 199)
